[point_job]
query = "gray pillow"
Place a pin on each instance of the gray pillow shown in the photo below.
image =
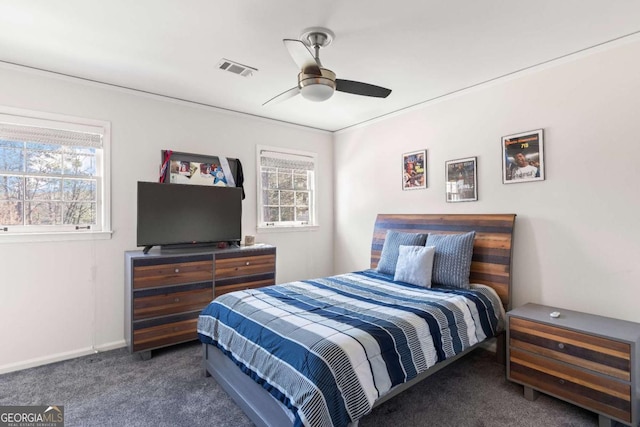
(452, 263)
(390, 248)
(415, 264)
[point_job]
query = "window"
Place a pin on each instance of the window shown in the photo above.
(53, 174)
(286, 188)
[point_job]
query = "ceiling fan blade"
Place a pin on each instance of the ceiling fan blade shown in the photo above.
(359, 88)
(283, 96)
(302, 56)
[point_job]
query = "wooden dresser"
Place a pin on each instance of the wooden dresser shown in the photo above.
(590, 361)
(167, 290)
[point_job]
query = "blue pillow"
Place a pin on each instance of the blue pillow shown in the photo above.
(452, 263)
(391, 248)
(415, 265)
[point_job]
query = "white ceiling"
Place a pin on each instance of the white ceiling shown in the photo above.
(421, 49)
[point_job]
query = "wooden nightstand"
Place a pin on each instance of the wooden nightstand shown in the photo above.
(590, 361)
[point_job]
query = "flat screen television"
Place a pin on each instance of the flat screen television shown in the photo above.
(183, 215)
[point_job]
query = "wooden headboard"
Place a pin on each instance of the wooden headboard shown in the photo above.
(491, 264)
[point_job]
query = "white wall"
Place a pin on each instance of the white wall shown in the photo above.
(63, 299)
(577, 237)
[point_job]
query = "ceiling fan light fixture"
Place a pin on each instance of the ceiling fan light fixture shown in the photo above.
(317, 88)
(316, 92)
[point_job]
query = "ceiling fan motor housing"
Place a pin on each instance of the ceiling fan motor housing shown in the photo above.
(316, 87)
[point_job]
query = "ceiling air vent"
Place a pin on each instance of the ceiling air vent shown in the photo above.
(236, 68)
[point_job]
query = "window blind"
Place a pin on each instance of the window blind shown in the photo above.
(275, 159)
(16, 132)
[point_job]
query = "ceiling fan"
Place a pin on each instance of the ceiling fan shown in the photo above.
(315, 82)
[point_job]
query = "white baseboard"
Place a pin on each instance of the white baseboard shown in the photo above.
(111, 345)
(45, 360)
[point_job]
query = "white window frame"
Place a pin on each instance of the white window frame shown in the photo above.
(286, 153)
(102, 230)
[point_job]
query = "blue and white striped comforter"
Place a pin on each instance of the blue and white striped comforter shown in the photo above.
(329, 348)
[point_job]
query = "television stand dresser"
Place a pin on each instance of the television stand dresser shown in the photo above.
(590, 361)
(167, 289)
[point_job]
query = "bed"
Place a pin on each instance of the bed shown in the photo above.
(326, 351)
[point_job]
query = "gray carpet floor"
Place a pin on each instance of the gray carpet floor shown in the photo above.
(115, 388)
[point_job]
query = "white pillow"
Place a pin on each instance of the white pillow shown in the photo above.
(415, 265)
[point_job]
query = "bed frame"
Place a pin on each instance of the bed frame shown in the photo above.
(491, 266)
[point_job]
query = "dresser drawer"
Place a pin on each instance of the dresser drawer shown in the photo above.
(172, 300)
(597, 354)
(165, 334)
(606, 395)
(148, 276)
(230, 285)
(244, 266)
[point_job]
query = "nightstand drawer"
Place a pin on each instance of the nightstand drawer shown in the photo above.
(149, 276)
(605, 395)
(597, 354)
(244, 266)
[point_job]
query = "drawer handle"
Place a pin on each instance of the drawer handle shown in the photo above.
(177, 270)
(561, 381)
(176, 300)
(561, 346)
(247, 263)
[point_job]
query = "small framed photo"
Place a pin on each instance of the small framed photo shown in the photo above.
(414, 170)
(462, 180)
(523, 157)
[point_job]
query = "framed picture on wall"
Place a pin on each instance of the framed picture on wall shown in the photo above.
(462, 180)
(523, 157)
(414, 170)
